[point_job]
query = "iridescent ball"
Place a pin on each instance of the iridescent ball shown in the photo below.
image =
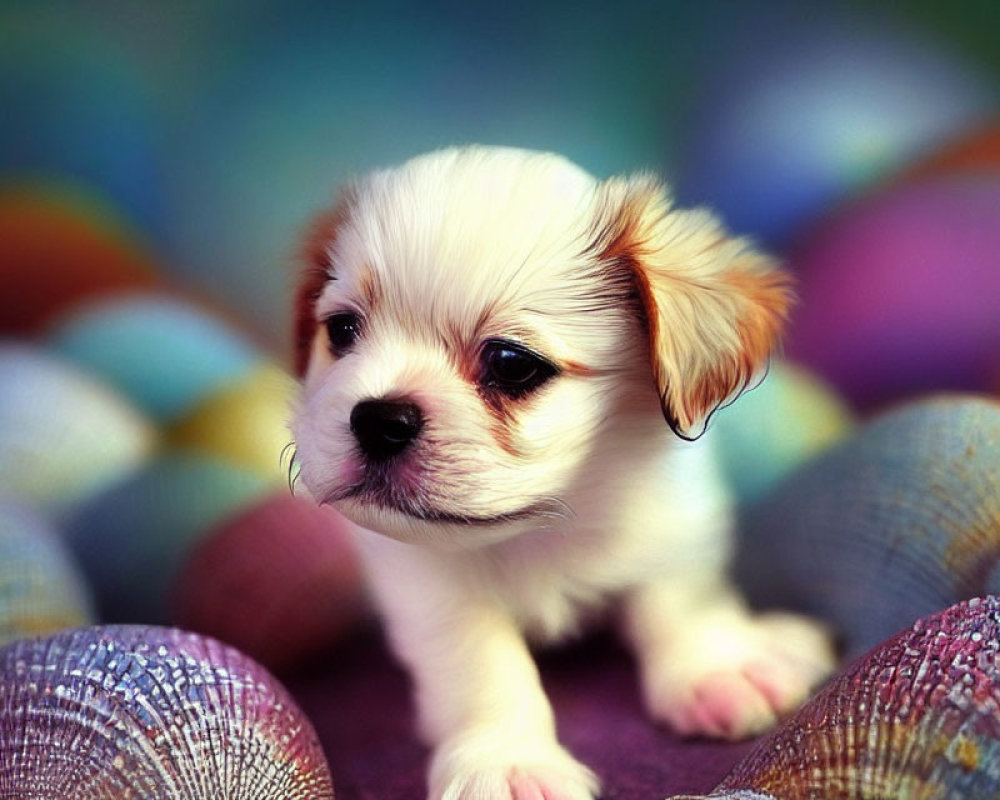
(109, 713)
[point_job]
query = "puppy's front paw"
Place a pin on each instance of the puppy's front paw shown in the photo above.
(474, 768)
(735, 681)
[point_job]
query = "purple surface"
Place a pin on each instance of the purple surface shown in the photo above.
(359, 702)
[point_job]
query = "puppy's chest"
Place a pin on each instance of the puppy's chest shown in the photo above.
(555, 593)
(559, 583)
(557, 608)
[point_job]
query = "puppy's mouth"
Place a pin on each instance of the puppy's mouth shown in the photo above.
(379, 489)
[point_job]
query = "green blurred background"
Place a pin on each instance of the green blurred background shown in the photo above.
(215, 128)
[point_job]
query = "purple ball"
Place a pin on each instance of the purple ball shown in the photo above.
(901, 291)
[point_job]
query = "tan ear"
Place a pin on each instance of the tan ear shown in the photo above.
(713, 306)
(316, 273)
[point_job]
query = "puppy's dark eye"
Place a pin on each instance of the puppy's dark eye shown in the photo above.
(343, 330)
(513, 369)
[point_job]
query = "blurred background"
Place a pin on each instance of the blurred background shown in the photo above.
(159, 160)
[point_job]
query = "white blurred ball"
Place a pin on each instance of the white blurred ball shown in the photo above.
(63, 435)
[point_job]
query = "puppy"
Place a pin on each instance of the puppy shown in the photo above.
(490, 341)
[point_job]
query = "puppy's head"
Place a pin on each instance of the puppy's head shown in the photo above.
(473, 324)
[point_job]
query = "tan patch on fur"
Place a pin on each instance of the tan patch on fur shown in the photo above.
(502, 429)
(318, 271)
(713, 308)
(369, 288)
(577, 370)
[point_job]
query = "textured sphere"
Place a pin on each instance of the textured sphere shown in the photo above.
(163, 354)
(798, 115)
(899, 292)
(899, 520)
(64, 435)
(279, 580)
(61, 247)
(110, 713)
(918, 717)
(132, 539)
(768, 432)
(41, 589)
(243, 422)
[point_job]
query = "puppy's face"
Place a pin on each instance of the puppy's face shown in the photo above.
(470, 323)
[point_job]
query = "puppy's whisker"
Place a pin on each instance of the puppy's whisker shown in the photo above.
(293, 475)
(557, 508)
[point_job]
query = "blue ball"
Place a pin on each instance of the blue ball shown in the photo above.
(132, 539)
(895, 522)
(165, 355)
(798, 116)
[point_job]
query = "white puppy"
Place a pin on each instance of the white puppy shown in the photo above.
(490, 340)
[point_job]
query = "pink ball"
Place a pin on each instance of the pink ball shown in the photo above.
(279, 581)
(901, 291)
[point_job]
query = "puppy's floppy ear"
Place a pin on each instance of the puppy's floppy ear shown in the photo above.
(713, 306)
(318, 270)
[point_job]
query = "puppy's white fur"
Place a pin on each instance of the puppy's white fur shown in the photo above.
(519, 518)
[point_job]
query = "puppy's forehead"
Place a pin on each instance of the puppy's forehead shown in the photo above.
(461, 233)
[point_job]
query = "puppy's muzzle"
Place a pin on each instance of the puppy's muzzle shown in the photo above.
(385, 428)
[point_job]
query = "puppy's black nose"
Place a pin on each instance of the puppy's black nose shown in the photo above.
(384, 428)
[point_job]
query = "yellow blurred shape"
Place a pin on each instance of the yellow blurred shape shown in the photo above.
(244, 423)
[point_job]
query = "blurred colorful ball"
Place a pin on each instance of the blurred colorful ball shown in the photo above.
(900, 291)
(978, 151)
(64, 435)
(62, 246)
(41, 589)
(244, 422)
(132, 539)
(164, 354)
(279, 580)
(798, 115)
(78, 109)
(770, 431)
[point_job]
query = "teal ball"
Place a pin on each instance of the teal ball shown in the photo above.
(41, 588)
(791, 417)
(162, 353)
(64, 435)
(132, 539)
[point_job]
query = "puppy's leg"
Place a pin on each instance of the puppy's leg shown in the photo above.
(482, 701)
(479, 698)
(710, 667)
